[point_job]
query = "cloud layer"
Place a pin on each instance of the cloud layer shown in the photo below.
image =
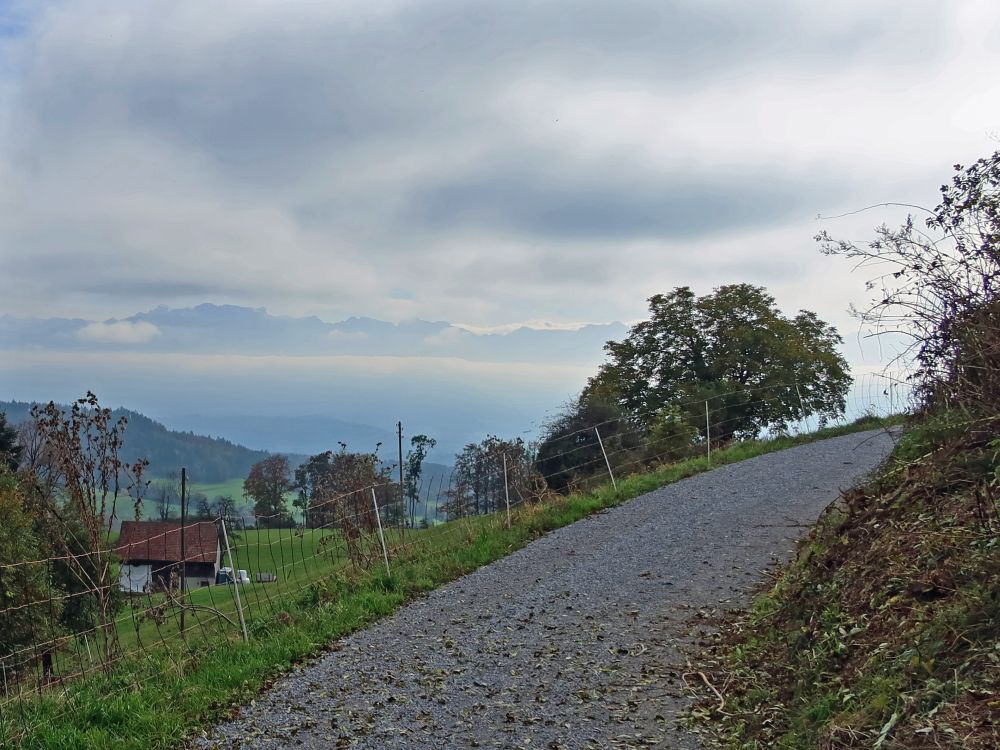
(221, 330)
(484, 162)
(117, 332)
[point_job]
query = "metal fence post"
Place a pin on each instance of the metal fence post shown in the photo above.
(802, 406)
(506, 488)
(708, 432)
(381, 536)
(183, 543)
(236, 582)
(614, 484)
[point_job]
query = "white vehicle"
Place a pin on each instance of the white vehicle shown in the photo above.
(226, 576)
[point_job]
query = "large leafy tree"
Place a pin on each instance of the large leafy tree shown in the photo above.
(334, 489)
(733, 348)
(10, 449)
(266, 485)
(25, 587)
(340, 490)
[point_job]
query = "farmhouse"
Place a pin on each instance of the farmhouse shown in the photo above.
(151, 554)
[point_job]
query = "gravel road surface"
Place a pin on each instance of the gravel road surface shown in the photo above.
(575, 641)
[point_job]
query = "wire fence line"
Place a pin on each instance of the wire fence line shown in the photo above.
(262, 569)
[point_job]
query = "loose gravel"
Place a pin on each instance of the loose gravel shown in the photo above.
(575, 641)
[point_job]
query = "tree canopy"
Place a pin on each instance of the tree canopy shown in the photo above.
(733, 348)
(333, 488)
(10, 450)
(570, 449)
(266, 484)
(487, 473)
(21, 624)
(731, 353)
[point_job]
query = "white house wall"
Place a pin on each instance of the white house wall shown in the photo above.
(195, 582)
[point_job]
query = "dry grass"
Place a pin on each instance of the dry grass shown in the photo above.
(884, 631)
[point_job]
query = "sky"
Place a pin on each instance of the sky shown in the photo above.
(488, 164)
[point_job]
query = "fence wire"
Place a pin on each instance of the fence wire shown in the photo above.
(368, 530)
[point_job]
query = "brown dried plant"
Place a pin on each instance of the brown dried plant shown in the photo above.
(83, 465)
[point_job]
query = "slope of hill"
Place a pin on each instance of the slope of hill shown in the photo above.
(886, 630)
(207, 459)
(217, 460)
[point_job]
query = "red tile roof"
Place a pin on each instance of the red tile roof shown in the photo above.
(161, 541)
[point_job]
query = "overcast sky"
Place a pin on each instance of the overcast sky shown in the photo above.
(480, 163)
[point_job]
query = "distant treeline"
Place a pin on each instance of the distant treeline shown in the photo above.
(207, 459)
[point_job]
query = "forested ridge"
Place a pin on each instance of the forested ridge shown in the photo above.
(207, 459)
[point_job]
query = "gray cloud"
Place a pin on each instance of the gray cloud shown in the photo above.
(622, 201)
(494, 161)
(261, 93)
(144, 289)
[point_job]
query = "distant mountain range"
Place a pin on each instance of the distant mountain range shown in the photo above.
(230, 329)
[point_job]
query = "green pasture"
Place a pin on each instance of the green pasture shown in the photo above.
(230, 488)
(298, 558)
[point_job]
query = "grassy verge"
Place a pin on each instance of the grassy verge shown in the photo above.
(163, 695)
(884, 632)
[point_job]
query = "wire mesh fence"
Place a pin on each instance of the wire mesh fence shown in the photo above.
(179, 591)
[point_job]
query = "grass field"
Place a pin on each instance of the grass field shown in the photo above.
(230, 488)
(169, 686)
(233, 488)
(297, 558)
(294, 557)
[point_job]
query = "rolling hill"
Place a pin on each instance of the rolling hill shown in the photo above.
(207, 459)
(215, 461)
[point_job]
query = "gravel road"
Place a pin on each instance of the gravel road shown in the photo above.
(575, 641)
